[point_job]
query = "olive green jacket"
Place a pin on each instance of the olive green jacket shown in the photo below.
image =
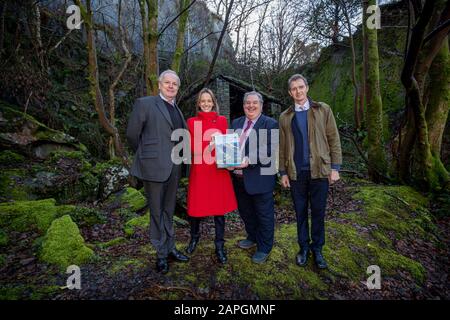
(323, 137)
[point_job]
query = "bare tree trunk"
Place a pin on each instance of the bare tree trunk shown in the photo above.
(356, 109)
(219, 44)
(335, 36)
(95, 91)
(112, 87)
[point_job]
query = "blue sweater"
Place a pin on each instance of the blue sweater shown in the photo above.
(301, 149)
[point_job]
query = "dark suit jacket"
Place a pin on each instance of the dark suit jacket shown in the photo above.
(260, 175)
(149, 135)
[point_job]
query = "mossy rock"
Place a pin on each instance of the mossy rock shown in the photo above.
(399, 209)
(12, 186)
(134, 199)
(9, 157)
(23, 131)
(129, 198)
(84, 216)
(27, 215)
(140, 222)
(63, 244)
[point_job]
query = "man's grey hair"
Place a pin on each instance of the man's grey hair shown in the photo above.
(296, 77)
(166, 72)
(254, 93)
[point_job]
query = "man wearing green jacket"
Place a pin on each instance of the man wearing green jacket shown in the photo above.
(310, 159)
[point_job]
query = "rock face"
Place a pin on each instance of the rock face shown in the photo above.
(331, 79)
(201, 22)
(63, 244)
(21, 131)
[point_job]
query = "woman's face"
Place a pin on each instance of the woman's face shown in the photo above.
(206, 102)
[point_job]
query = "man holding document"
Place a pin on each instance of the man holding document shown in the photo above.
(254, 180)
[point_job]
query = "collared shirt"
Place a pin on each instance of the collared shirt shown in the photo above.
(166, 100)
(247, 133)
(305, 107)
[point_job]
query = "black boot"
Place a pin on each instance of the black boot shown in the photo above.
(221, 254)
(192, 245)
(219, 222)
(195, 235)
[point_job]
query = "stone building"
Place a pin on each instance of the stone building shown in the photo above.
(230, 94)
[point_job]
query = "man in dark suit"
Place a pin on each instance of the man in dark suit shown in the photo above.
(150, 128)
(254, 180)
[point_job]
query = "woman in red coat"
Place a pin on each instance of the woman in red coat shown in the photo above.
(210, 190)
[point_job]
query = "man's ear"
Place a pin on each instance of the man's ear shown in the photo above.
(289, 91)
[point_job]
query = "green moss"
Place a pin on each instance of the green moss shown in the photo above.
(133, 198)
(33, 292)
(85, 216)
(350, 253)
(399, 209)
(390, 262)
(10, 188)
(45, 292)
(3, 238)
(122, 264)
(9, 157)
(279, 277)
(26, 215)
(63, 244)
(57, 155)
(11, 293)
(2, 260)
(111, 243)
(101, 167)
(142, 222)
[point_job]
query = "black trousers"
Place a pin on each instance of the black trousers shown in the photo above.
(161, 198)
(310, 192)
(219, 224)
(257, 212)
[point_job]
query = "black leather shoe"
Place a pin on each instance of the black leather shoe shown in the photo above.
(302, 258)
(221, 255)
(162, 265)
(319, 260)
(178, 256)
(192, 245)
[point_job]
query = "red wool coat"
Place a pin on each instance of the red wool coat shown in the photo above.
(210, 190)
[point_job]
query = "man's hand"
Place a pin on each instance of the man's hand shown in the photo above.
(285, 181)
(333, 177)
(244, 163)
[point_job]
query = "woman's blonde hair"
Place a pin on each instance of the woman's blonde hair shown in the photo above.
(213, 97)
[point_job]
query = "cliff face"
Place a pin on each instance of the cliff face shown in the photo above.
(201, 22)
(331, 75)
